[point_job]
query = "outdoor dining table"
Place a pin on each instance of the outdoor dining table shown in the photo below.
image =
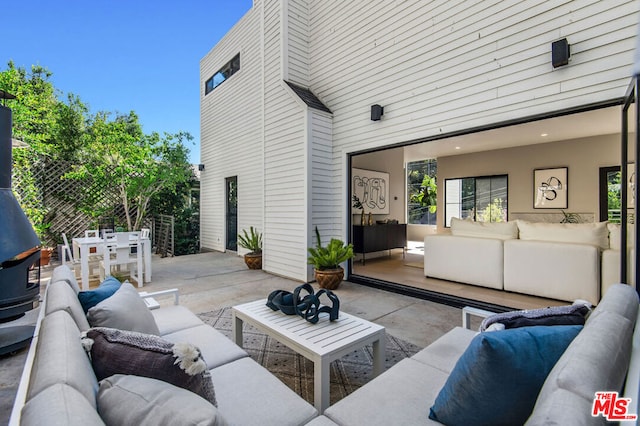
(82, 249)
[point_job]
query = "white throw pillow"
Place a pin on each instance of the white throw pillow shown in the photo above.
(496, 230)
(134, 400)
(596, 234)
(125, 310)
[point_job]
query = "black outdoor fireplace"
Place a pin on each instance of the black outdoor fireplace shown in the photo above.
(19, 249)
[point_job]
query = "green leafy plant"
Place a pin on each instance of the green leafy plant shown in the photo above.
(427, 194)
(331, 256)
(251, 241)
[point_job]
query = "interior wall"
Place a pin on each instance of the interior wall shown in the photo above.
(390, 161)
(583, 157)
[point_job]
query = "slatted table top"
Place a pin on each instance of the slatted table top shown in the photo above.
(320, 339)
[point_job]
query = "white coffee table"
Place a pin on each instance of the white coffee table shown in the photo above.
(321, 343)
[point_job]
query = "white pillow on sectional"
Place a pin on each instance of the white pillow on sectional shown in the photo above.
(614, 235)
(596, 234)
(496, 230)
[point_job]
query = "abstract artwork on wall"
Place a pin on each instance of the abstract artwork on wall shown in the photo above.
(372, 190)
(550, 188)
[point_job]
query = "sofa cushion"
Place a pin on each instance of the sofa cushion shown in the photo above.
(561, 271)
(90, 298)
(64, 273)
(596, 361)
(400, 396)
(476, 391)
(173, 318)
(498, 230)
(215, 347)
(125, 310)
(444, 352)
(128, 352)
(59, 404)
(135, 400)
(266, 401)
(60, 358)
(621, 299)
(555, 315)
(61, 297)
(596, 234)
(615, 235)
(482, 265)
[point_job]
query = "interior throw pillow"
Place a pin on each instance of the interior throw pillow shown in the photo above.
(575, 314)
(497, 379)
(90, 298)
(125, 310)
(135, 400)
(127, 352)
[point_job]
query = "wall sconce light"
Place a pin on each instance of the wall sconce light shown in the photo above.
(560, 53)
(376, 112)
(200, 167)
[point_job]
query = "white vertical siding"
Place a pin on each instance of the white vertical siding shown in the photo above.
(285, 168)
(297, 39)
(231, 133)
(446, 65)
(326, 197)
(449, 65)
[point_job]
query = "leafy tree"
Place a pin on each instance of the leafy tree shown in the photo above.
(422, 191)
(427, 196)
(34, 109)
(34, 118)
(137, 166)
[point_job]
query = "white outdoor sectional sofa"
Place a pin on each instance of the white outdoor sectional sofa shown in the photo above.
(603, 356)
(563, 261)
(59, 386)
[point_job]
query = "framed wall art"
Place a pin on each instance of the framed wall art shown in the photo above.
(371, 189)
(550, 188)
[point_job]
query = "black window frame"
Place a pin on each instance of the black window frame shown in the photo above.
(222, 75)
(475, 193)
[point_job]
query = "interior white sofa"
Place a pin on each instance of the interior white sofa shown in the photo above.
(604, 356)
(59, 386)
(562, 261)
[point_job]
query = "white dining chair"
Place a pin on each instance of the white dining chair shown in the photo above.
(124, 250)
(69, 259)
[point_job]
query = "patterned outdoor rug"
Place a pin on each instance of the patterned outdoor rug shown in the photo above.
(347, 374)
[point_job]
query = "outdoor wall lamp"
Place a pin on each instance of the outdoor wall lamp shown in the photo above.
(560, 53)
(376, 112)
(200, 167)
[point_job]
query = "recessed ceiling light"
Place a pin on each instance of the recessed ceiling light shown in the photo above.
(544, 135)
(457, 147)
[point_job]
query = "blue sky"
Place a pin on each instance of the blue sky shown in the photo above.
(119, 55)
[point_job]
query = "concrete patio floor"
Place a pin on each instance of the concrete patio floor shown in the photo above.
(209, 281)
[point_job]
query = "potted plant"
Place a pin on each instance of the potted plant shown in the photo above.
(251, 241)
(326, 261)
(45, 251)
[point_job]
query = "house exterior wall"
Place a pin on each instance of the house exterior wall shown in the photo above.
(436, 67)
(447, 66)
(231, 133)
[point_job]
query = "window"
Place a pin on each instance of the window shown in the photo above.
(422, 192)
(483, 199)
(610, 194)
(223, 73)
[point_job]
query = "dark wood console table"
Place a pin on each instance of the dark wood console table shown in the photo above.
(368, 239)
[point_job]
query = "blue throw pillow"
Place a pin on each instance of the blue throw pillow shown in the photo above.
(89, 299)
(497, 379)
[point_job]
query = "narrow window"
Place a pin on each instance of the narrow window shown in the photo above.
(223, 73)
